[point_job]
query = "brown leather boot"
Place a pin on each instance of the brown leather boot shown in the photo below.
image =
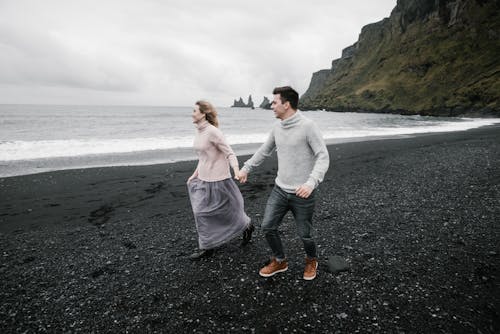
(274, 267)
(310, 269)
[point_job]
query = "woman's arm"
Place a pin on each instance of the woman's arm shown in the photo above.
(194, 176)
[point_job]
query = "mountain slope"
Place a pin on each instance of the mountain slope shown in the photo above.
(430, 57)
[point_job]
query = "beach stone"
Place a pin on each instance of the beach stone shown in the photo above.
(337, 264)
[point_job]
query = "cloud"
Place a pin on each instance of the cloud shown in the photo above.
(31, 57)
(170, 52)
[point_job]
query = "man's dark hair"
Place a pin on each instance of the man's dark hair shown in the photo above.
(289, 94)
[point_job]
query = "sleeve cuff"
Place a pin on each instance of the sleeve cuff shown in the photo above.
(311, 183)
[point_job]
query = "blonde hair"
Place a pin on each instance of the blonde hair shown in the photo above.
(209, 111)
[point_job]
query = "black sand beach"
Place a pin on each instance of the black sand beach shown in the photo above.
(105, 249)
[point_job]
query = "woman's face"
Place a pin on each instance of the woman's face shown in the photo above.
(197, 114)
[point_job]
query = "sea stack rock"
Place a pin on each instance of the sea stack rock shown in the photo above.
(240, 104)
(250, 102)
(266, 104)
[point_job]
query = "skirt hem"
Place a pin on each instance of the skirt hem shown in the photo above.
(225, 241)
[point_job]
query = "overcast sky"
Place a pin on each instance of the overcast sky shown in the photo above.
(170, 53)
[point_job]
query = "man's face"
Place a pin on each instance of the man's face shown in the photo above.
(278, 107)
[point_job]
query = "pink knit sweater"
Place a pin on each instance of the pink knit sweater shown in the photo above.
(214, 153)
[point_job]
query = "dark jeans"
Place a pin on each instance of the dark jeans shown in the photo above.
(278, 204)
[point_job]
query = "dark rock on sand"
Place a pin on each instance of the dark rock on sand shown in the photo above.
(337, 264)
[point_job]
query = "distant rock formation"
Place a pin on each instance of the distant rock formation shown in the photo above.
(266, 104)
(240, 104)
(250, 102)
(430, 57)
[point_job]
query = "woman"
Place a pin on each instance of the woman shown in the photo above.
(216, 200)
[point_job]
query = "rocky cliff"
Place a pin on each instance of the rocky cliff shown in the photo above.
(430, 57)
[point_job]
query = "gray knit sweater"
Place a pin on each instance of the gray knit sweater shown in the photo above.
(302, 154)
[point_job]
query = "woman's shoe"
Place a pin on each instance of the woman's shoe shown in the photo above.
(201, 254)
(247, 234)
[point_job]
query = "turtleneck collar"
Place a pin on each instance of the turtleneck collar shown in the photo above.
(292, 121)
(202, 125)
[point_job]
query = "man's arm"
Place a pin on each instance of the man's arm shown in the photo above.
(321, 157)
(264, 151)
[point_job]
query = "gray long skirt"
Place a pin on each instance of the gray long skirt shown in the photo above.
(218, 211)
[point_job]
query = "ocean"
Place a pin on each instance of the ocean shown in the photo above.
(40, 138)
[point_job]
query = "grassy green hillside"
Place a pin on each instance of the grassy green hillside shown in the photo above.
(431, 66)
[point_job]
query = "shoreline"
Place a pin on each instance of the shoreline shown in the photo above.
(105, 249)
(158, 157)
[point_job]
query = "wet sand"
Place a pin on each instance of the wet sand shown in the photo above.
(105, 249)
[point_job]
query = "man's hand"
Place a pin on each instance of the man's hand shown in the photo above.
(304, 191)
(242, 176)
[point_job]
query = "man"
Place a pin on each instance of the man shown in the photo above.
(302, 163)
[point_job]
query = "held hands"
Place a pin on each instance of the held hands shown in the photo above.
(241, 176)
(304, 191)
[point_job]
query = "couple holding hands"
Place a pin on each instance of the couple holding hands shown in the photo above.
(216, 199)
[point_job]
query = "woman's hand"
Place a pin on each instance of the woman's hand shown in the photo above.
(236, 173)
(191, 178)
